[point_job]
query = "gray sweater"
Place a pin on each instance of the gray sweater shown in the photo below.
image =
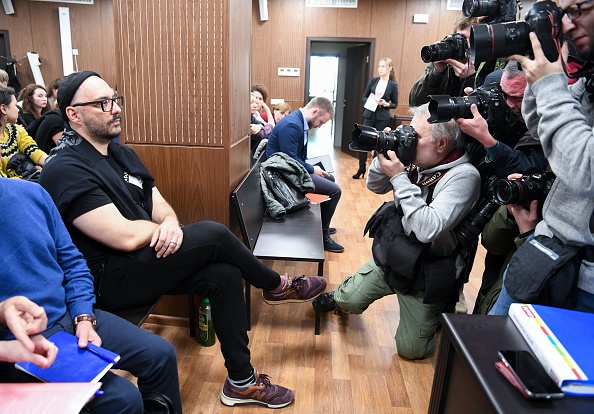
(562, 118)
(454, 196)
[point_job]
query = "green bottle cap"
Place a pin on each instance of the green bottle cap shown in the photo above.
(205, 300)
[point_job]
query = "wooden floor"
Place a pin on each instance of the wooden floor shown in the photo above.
(351, 367)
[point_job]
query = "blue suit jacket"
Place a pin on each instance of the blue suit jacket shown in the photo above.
(287, 137)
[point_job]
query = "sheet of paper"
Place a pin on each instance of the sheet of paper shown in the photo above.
(371, 103)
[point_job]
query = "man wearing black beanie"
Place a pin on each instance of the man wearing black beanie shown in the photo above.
(134, 244)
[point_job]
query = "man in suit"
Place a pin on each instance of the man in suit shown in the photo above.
(290, 136)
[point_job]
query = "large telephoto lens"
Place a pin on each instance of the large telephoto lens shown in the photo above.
(488, 41)
(477, 8)
(444, 107)
(438, 51)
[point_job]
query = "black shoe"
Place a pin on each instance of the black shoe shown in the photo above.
(331, 230)
(360, 173)
(331, 246)
(326, 302)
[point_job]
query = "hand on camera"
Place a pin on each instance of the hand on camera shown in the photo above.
(540, 66)
(525, 219)
(461, 70)
(390, 164)
(477, 127)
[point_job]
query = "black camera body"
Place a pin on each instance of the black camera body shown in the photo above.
(403, 141)
(522, 191)
(487, 98)
(504, 124)
(495, 11)
(454, 46)
(488, 41)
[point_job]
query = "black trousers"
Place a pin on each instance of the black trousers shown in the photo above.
(211, 262)
(379, 125)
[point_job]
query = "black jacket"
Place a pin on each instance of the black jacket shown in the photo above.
(390, 95)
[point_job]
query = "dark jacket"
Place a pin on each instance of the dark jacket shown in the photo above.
(433, 83)
(390, 95)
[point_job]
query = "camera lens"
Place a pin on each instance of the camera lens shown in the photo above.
(437, 51)
(477, 8)
(488, 41)
(444, 107)
(364, 138)
(507, 191)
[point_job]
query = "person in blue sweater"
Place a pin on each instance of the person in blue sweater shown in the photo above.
(41, 263)
(290, 136)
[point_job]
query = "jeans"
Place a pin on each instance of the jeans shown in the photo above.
(211, 262)
(146, 356)
(327, 186)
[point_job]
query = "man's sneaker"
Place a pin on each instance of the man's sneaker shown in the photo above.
(263, 393)
(326, 302)
(331, 246)
(298, 289)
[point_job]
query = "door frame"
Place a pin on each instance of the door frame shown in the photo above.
(370, 42)
(310, 40)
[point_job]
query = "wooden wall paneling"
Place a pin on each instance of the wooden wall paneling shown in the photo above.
(388, 26)
(19, 26)
(415, 37)
(35, 28)
(355, 22)
(192, 179)
(322, 22)
(286, 21)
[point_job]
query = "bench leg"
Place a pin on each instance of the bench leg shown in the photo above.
(192, 314)
(318, 312)
(248, 304)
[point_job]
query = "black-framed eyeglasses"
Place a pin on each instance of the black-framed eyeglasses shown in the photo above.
(575, 10)
(511, 97)
(106, 104)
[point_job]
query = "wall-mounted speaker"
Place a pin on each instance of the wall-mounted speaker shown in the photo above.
(263, 10)
(8, 9)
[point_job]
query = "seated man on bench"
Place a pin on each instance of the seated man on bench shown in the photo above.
(134, 244)
(40, 262)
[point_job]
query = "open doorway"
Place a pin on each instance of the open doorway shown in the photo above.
(339, 69)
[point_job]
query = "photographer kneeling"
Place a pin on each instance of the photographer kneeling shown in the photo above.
(415, 253)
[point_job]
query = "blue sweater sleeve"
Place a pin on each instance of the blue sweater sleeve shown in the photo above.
(78, 281)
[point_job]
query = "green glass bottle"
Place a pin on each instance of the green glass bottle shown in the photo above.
(207, 334)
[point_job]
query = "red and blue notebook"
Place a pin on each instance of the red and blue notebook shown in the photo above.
(563, 341)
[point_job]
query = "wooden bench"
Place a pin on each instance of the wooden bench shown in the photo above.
(297, 237)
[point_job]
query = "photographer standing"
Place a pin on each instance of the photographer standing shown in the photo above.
(563, 118)
(522, 156)
(446, 77)
(415, 252)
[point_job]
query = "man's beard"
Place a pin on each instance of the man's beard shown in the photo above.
(102, 131)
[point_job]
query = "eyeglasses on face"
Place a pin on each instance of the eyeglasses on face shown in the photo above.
(575, 10)
(106, 103)
(511, 97)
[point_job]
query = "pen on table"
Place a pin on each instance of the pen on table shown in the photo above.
(97, 351)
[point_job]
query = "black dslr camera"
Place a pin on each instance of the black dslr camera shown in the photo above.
(487, 98)
(530, 187)
(403, 141)
(495, 11)
(454, 46)
(488, 41)
(504, 124)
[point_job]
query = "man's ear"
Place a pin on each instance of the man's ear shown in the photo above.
(442, 145)
(72, 114)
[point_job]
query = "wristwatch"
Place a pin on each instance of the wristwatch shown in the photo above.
(84, 317)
